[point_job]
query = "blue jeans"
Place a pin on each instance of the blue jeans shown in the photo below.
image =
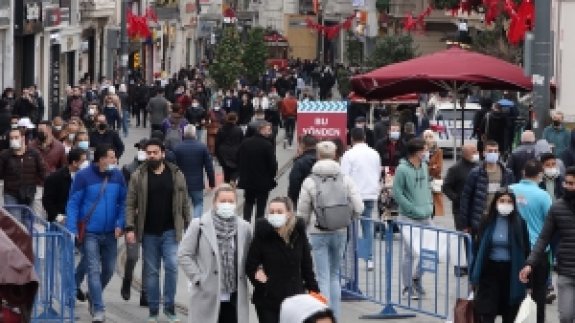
(409, 258)
(366, 248)
(100, 251)
(125, 121)
(327, 250)
(80, 270)
(155, 249)
(197, 199)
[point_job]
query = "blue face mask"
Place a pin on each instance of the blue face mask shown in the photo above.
(84, 144)
(491, 158)
(112, 167)
(394, 135)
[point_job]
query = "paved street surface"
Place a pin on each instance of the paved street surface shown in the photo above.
(118, 310)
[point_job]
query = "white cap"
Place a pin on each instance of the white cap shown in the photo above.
(298, 308)
(26, 123)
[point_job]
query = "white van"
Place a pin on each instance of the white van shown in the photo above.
(446, 123)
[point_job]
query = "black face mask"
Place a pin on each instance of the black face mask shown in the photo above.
(569, 195)
(154, 164)
(102, 126)
(41, 136)
(556, 123)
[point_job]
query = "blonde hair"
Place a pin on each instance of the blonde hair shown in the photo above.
(224, 188)
(326, 150)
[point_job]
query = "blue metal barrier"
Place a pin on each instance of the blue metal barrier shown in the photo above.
(54, 264)
(437, 251)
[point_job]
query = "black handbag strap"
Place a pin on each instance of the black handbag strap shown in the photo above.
(88, 216)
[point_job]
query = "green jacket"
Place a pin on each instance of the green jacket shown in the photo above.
(137, 199)
(412, 191)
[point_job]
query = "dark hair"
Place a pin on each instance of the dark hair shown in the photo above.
(414, 145)
(75, 155)
(155, 142)
(339, 145)
(491, 143)
(570, 171)
(357, 134)
(532, 168)
(101, 151)
(176, 108)
(493, 207)
(159, 90)
(259, 111)
(308, 141)
(327, 313)
(232, 118)
(546, 156)
(46, 123)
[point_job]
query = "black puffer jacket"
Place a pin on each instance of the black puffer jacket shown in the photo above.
(475, 193)
(561, 221)
(289, 267)
(300, 170)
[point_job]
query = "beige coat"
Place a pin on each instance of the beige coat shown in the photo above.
(137, 200)
(199, 257)
(308, 192)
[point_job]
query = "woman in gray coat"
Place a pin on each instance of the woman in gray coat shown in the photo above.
(213, 256)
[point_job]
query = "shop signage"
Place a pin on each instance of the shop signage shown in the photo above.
(54, 84)
(322, 119)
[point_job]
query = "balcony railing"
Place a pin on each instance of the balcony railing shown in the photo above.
(98, 8)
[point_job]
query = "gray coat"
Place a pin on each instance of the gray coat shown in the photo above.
(158, 107)
(199, 258)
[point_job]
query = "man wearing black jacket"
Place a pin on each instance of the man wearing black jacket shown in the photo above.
(103, 135)
(302, 167)
(57, 185)
(560, 222)
(454, 183)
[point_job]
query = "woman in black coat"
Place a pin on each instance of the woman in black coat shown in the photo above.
(228, 140)
(279, 263)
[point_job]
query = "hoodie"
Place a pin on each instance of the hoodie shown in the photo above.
(308, 193)
(411, 190)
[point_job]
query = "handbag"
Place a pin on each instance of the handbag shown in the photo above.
(464, 311)
(84, 221)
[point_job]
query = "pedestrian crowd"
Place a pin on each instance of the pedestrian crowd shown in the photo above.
(292, 253)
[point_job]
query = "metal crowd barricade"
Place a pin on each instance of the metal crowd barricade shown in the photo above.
(54, 263)
(437, 250)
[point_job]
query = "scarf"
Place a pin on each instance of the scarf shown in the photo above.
(286, 230)
(226, 229)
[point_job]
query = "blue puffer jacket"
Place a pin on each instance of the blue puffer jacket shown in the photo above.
(110, 213)
(474, 196)
(192, 157)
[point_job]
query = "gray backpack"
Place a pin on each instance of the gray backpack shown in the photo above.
(331, 203)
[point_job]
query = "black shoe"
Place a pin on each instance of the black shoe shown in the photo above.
(80, 295)
(143, 299)
(125, 291)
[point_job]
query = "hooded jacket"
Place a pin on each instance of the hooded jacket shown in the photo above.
(301, 168)
(308, 193)
(559, 138)
(411, 190)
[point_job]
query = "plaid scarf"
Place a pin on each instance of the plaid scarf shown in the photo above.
(226, 229)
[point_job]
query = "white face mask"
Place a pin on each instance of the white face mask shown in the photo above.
(504, 208)
(57, 128)
(475, 158)
(84, 164)
(425, 156)
(551, 172)
(141, 156)
(226, 210)
(71, 136)
(15, 144)
(277, 220)
(394, 135)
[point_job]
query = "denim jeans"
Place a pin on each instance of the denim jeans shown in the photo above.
(197, 199)
(80, 269)
(125, 121)
(289, 125)
(366, 248)
(100, 251)
(155, 249)
(327, 250)
(408, 257)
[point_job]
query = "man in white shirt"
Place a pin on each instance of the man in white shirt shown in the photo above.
(363, 165)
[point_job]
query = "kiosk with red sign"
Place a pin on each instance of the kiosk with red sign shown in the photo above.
(322, 119)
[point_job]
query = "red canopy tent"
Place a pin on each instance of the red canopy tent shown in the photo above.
(449, 70)
(411, 98)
